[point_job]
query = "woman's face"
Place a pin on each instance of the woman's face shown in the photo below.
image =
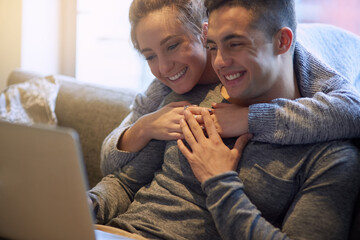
(175, 56)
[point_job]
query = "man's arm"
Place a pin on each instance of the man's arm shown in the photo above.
(321, 209)
(115, 192)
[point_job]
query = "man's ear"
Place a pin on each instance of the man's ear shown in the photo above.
(283, 40)
(204, 33)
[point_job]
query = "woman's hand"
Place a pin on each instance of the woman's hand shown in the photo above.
(230, 120)
(163, 124)
(209, 156)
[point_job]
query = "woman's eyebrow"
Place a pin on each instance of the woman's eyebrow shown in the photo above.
(162, 42)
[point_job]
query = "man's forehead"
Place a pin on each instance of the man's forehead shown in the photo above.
(227, 20)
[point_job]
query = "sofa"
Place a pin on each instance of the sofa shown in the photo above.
(92, 110)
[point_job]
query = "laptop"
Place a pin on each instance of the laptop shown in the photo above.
(43, 185)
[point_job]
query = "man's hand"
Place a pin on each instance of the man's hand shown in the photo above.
(230, 120)
(209, 156)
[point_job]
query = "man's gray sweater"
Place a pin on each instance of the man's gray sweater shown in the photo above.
(278, 192)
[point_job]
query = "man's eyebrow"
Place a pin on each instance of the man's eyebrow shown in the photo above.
(209, 41)
(226, 38)
(162, 42)
(232, 36)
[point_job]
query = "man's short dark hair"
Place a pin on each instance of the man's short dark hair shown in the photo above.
(269, 16)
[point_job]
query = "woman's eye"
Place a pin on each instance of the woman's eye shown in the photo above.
(149, 58)
(171, 47)
(211, 47)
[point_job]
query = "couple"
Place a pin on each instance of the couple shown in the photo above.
(213, 188)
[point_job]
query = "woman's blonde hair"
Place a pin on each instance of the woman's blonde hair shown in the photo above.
(191, 13)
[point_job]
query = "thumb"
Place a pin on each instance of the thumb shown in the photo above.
(219, 105)
(241, 142)
(179, 104)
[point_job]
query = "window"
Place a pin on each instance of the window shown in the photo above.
(105, 55)
(104, 52)
(340, 13)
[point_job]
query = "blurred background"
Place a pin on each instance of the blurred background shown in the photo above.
(89, 39)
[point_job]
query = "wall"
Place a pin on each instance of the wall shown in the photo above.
(10, 38)
(48, 36)
(37, 35)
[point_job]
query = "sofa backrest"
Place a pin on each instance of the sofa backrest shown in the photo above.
(92, 110)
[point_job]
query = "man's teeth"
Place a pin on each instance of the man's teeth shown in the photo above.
(234, 76)
(178, 75)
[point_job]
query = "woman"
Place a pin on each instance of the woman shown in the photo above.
(171, 35)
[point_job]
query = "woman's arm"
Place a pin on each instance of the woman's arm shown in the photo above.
(111, 156)
(329, 109)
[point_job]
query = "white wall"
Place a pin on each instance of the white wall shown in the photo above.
(48, 36)
(37, 35)
(10, 38)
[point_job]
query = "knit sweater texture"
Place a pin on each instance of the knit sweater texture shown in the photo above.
(328, 110)
(278, 191)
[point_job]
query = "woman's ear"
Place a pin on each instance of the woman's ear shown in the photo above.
(283, 40)
(204, 33)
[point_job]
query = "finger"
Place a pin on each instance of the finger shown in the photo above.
(200, 119)
(175, 136)
(179, 104)
(183, 149)
(197, 110)
(209, 125)
(241, 142)
(188, 135)
(195, 128)
(219, 105)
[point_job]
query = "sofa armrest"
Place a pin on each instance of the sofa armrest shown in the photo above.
(92, 110)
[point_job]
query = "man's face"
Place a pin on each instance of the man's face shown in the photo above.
(242, 57)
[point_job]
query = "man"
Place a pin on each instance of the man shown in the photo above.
(255, 64)
(303, 191)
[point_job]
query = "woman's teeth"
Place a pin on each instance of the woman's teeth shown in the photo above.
(178, 75)
(234, 76)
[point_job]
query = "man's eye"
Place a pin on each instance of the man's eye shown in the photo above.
(171, 47)
(235, 44)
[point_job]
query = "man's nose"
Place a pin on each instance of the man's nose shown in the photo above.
(221, 60)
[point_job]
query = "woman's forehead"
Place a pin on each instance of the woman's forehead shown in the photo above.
(162, 22)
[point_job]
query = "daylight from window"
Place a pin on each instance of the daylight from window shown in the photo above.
(104, 52)
(106, 56)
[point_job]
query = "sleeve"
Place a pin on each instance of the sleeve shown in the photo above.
(329, 110)
(324, 117)
(321, 209)
(111, 157)
(115, 192)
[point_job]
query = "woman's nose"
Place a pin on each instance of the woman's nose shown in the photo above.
(165, 65)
